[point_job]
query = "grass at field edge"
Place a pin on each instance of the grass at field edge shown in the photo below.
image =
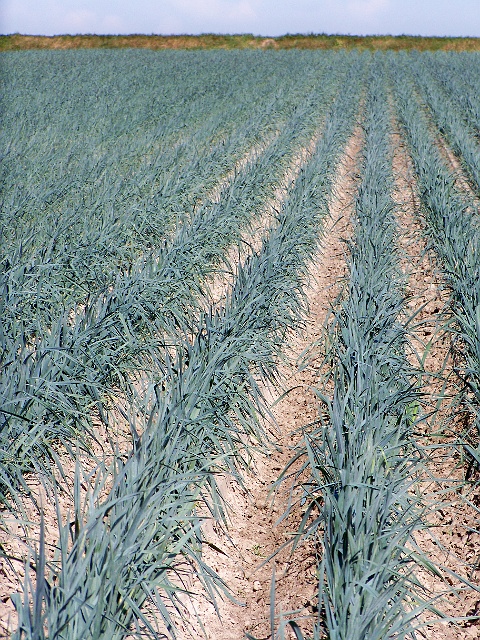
(16, 42)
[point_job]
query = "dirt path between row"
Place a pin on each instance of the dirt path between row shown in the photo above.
(254, 530)
(12, 536)
(450, 542)
(459, 172)
(251, 239)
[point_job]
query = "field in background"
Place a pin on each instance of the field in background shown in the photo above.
(17, 42)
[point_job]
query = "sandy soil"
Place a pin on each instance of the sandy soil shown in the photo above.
(255, 531)
(450, 542)
(461, 177)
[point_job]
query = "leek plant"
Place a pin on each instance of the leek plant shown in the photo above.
(359, 464)
(457, 76)
(450, 122)
(129, 552)
(454, 234)
(112, 173)
(68, 348)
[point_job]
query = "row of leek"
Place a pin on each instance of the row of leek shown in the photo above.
(129, 551)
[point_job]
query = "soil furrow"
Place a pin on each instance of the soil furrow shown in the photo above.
(255, 532)
(251, 239)
(449, 541)
(462, 180)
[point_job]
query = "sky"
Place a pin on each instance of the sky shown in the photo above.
(260, 17)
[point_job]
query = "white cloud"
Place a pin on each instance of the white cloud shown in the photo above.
(80, 21)
(353, 16)
(215, 9)
(367, 8)
(185, 16)
(113, 24)
(167, 25)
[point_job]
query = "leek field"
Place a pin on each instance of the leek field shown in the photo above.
(162, 213)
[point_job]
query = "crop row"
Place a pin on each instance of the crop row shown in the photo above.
(459, 78)
(94, 189)
(360, 459)
(130, 548)
(63, 359)
(454, 234)
(451, 122)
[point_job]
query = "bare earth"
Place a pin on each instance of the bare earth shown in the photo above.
(451, 542)
(256, 530)
(255, 533)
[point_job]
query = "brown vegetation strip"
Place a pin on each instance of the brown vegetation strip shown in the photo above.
(17, 41)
